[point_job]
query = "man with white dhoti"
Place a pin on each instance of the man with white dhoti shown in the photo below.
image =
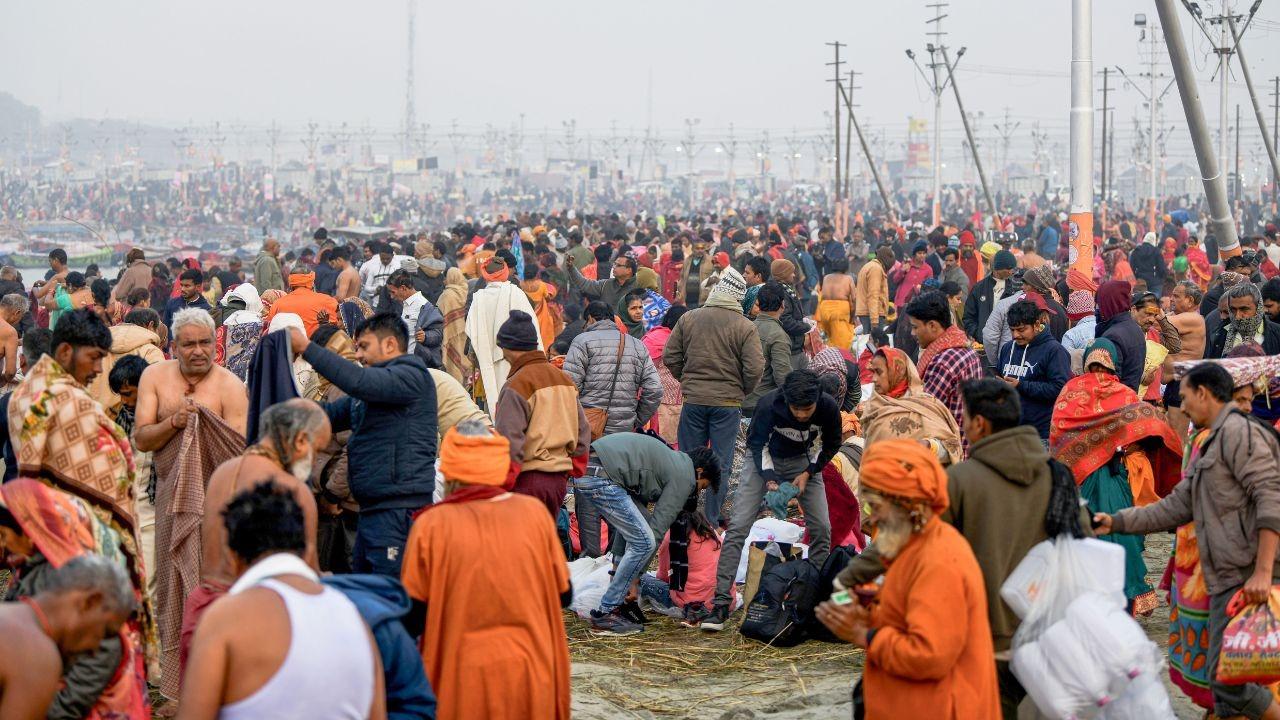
(490, 307)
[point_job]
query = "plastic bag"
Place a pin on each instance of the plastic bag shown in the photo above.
(1058, 572)
(1043, 686)
(589, 578)
(1086, 684)
(767, 529)
(1251, 642)
(1144, 699)
(1112, 639)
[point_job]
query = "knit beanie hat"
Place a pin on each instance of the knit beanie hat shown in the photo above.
(1004, 260)
(731, 284)
(1080, 304)
(518, 333)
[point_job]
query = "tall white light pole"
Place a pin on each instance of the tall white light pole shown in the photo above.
(1081, 219)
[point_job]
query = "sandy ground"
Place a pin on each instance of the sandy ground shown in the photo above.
(671, 672)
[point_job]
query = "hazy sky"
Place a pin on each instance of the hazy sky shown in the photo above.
(754, 63)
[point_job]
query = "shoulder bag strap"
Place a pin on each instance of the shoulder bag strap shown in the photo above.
(622, 339)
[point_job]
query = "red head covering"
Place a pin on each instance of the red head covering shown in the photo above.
(721, 259)
(1113, 299)
(899, 377)
(966, 238)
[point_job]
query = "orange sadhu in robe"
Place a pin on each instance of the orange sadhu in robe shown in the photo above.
(540, 295)
(931, 654)
(491, 573)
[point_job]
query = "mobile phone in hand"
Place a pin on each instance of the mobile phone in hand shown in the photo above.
(842, 598)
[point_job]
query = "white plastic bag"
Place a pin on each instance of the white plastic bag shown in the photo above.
(1067, 568)
(1043, 686)
(589, 578)
(1144, 699)
(768, 529)
(1112, 639)
(1087, 684)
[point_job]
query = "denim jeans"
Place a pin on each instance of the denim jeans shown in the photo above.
(655, 590)
(703, 424)
(618, 508)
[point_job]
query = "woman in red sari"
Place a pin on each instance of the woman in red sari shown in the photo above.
(1199, 270)
(1120, 451)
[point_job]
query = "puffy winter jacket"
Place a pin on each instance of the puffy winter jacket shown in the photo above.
(391, 410)
(591, 361)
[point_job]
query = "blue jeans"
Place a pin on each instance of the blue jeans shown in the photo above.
(703, 424)
(655, 590)
(617, 507)
(380, 539)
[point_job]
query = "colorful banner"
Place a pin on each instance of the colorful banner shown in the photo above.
(1080, 252)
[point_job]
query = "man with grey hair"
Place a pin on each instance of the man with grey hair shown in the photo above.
(81, 603)
(292, 432)
(171, 390)
(1246, 323)
(12, 308)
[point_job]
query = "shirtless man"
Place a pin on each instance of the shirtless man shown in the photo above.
(257, 650)
(87, 599)
(348, 283)
(837, 306)
(12, 308)
(170, 390)
(56, 276)
(292, 432)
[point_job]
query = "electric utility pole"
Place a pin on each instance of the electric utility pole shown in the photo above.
(937, 85)
(866, 152)
(837, 79)
(1210, 171)
(1267, 139)
(410, 121)
(964, 118)
(1006, 134)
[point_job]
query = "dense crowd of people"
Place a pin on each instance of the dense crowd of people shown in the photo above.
(312, 485)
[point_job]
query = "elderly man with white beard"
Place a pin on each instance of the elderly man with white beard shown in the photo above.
(292, 432)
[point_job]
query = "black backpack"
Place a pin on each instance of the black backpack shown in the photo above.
(836, 562)
(782, 609)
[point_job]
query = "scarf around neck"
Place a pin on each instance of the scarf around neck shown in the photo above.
(952, 337)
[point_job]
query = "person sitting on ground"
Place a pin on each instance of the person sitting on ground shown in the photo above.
(280, 644)
(629, 471)
(87, 599)
(685, 585)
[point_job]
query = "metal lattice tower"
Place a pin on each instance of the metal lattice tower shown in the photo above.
(410, 119)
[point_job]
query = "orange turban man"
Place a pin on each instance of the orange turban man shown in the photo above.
(481, 648)
(927, 637)
(305, 302)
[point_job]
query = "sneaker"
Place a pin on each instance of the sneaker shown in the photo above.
(694, 614)
(631, 610)
(716, 619)
(653, 607)
(613, 623)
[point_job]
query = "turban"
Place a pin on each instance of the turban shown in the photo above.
(1077, 280)
(482, 460)
(499, 275)
(905, 469)
(1080, 304)
(989, 249)
(302, 280)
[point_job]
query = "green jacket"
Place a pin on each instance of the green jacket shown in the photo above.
(714, 352)
(775, 343)
(266, 274)
(650, 472)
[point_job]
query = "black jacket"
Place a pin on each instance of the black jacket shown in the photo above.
(391, 411)
(1129, 339)
(774, 427)
(977, 307)
(1148, 265)
(1270, 339)
(792, 320)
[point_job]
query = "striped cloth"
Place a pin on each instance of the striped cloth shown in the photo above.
(183, 467)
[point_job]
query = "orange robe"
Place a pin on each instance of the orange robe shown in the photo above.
(549, 326)
(931, 655)
(306, 304)
(491, 573)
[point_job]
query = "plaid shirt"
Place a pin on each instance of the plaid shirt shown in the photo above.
(942, 380)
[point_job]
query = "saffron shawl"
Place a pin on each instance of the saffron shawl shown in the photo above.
(1097, 416)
